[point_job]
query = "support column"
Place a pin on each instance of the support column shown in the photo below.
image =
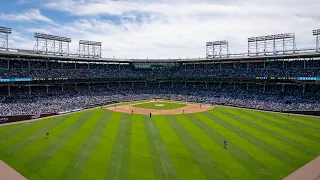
(282, 89)
(194, 84)
(219, 85)
(171, 84)
(234, 86)
(88, 65)
(206, 85)
(264, 87)
(264, 64)
(75, 86)
(247, 66)
(107, 84)
(9, 91)
(304, 88)
(29, 90)
(75, 65)
(119, 84)
(132, 84)
(304, 63)
(47, 89)
(29, 66)
(62, 88)
(159, 85)
(8, 63)
(247, 86)
(47, 65)
(220, 66)
(62, 66)
(185, 67)
(89, 87)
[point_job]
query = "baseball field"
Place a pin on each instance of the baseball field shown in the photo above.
(103, 143)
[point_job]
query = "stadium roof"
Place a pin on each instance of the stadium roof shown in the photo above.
(232, 57)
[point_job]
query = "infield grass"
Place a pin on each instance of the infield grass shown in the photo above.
(102, 144)
(160, 105)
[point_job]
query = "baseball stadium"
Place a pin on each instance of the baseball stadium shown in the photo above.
(249, 116)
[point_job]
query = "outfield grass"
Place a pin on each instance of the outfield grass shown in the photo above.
(163, 105)
(101, 144)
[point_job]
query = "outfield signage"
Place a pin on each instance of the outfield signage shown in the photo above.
(16, 79)
(291, 78)
(308, 78)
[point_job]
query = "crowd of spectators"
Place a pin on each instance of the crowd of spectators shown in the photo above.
(20, 101)
(21, 69)
(57, 101)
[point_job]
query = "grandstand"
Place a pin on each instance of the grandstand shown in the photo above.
(273, 75)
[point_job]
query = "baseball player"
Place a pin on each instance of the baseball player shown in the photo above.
(48, 135)
(225, 144)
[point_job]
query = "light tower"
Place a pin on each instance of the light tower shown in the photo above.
(4, 37)
(90, 49)
(317, 33)
(272, 44)
(51, 44)
(217, 49)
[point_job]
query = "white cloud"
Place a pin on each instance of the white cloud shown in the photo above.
(31, 15)
(174, 28)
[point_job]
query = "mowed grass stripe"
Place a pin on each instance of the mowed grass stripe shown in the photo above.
(270, 130)
(18, 129)
(7, 128)
(306, 130)
(162, 164)
(140, 158)
(29, 139)
(20, 158)
(209, 168)
(19, 136)
(312, 119)
(80, 158)
(237, 120)
(284, 131)
(100, 158)
(294, 132)
(226, 164)
(255, 167)
(119, 167)
(253, 136)
(56, 165)
(179, 155)
(269, 161)
(57, 143)
(297, 120)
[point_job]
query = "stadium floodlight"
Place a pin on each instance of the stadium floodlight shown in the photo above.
(5, 30)
(272, 44)
(51, 44)
(216, 49)
(4, 37)
(90, 49)
(316, 33)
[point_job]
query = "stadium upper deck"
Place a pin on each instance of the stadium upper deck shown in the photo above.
(299, 54)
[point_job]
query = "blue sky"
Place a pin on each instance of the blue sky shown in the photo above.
(159, 28)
